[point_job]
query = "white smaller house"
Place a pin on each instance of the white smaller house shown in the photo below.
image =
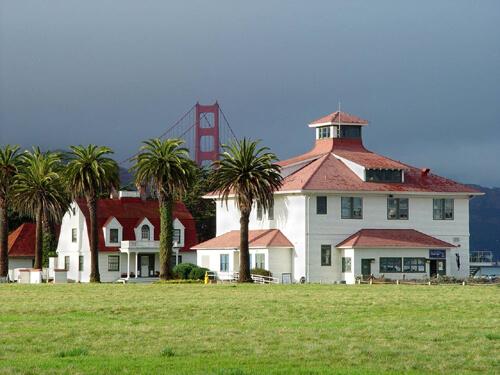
(128, 238)
(269, 249)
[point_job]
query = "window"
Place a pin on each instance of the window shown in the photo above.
(259, 211)
(260, 261)
(414, 265)
(324, 132)
(113, 235)
(397, 208)
(73, 235)
(80, 263)
(390, 265)
(113, 263)
(321, 206)
(350, 131)
(443, 209)
(352, 208)
(346, 264)
(270, 211)
(326, 255)
(384, 175)
(145, 232)
(73, 211)
(66, 263)
(224, 262)
(177, 236)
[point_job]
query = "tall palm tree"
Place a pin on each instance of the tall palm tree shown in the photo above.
(9, 163)
(39, 192)
(165, 168)
(91, 173)
(251, 175)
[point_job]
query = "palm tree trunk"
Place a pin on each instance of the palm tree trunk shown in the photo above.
(166, 234)
(4, 251)
(244, 276)
(39, 237)
(95, 277)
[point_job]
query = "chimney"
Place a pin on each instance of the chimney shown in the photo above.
(114, 193)
(425, 172)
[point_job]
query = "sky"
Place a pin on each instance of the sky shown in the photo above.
(425, 74)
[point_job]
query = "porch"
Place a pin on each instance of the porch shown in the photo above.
(141, 260)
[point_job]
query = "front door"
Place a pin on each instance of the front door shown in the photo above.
(147, 265)
(366, 267)
(437, 267)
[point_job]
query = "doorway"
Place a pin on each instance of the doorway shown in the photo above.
(366, 267)
(147, 265)
(437, 267)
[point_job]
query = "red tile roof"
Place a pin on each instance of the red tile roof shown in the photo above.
(339, 117)
(262, 238)
(21, 242)
(319, 169)
(130, 212)
(392, 238)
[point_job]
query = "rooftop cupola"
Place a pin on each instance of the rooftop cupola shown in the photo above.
(338, 125)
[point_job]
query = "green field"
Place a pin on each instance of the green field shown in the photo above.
(249, 329)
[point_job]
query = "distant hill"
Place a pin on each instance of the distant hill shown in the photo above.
(485, 220)
(126, 177)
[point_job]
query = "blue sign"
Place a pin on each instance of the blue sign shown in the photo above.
(437, 254)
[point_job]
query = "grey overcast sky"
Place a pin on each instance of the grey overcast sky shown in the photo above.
(426, 74)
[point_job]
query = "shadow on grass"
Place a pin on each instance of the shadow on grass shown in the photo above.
(76, 352)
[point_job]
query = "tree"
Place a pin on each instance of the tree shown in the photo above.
(9, 163)
(164, 167)
(90, 173)
(250, 174)
(203, 210)
(39, 192)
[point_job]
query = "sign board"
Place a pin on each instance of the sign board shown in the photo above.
(437, 254)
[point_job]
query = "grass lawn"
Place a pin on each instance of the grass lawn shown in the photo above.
(249, 329)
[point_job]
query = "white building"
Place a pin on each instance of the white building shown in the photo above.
(128, 241)
(348, 212)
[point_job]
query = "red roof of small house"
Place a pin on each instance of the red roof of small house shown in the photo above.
(261, 238)
(21, 242)
(392, 238)
(130, 212)
(339, 117)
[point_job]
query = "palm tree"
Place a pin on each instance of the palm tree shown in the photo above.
(165, 168)
(9, 163)
(90, 173)
(250, 174)
(39, 192)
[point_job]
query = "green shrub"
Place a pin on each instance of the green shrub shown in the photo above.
(261, 272)
(197, 273)
(189, 271)
(182, 270)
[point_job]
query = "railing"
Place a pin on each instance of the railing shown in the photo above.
(481, 257)
(139, 244)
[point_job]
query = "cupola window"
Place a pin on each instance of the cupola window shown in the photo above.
(324, 132)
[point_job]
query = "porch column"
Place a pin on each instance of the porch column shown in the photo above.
(128, 265)
(136, 265)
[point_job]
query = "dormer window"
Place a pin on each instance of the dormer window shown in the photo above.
(384, 175)
(113, 235)
(145, 233)
(324, 132)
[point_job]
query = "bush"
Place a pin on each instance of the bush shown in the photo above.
(261, 272)
(182, 270)
(197, 273)
(189, 271)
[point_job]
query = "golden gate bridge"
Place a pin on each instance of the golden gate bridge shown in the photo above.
(204, 128)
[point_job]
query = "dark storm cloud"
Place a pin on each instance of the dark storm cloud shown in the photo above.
(426, 74)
